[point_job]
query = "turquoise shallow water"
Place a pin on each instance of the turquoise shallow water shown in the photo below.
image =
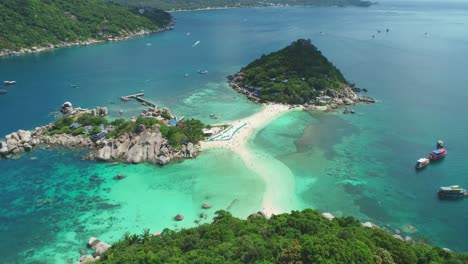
(68, 201)
(360, 165)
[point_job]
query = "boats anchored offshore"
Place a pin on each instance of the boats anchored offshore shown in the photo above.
(9, 82)
(422, 163)
(452, 192)
(3, 92)
(439, 153)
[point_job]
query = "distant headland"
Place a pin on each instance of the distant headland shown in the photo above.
(35, 26)
(297, 75)
(185, 5)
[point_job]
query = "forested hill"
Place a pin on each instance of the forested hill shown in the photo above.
(171, 5)
(28, 23)
(299, 237)
(293, 75)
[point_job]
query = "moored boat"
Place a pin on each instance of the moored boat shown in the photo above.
(3, 92)
(422, 163)
(9, 82)
(452, 192)
(438, 154)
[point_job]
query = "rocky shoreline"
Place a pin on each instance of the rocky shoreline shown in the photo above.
(329, 100)
(147, 145)
(98, 247)
(50, 46)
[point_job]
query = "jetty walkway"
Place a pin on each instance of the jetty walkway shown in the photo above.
(137, 97)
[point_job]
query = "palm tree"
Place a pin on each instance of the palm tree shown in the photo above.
(145, 237)
(127, 237)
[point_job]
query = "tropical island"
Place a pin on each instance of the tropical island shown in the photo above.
(156, 136)
(180, 5)
(296, 75)
(37, 25)
(299, 237)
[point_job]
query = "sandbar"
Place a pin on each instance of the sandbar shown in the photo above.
(279, 196)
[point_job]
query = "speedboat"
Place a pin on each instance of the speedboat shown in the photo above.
(438, 154)
(202, 72)
(422, 163)
(452, 192)
(3, 92)
(195, 44)
(9, 82)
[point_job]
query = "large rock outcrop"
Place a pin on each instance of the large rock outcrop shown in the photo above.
(146, 146)
(23, 141)
(98, 246)
(86, 259)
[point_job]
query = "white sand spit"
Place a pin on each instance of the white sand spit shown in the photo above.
(279, 196)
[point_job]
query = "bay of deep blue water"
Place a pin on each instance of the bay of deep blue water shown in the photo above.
(360, 165)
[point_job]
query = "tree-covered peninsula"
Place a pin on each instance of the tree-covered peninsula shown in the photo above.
(299, 237)
(40, 24)
(173, 5)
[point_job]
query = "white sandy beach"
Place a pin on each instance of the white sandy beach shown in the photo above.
(279, 196)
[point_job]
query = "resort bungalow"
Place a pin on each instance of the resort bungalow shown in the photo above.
(172, 122)
(323, 99)
(88, 129)
(208, 132)
(98, 136)
(75, 126)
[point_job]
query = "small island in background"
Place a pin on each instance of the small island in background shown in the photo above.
(296, 75)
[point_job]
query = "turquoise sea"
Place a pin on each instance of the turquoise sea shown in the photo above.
(360, 165)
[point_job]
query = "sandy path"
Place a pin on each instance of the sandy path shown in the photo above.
(279, 196)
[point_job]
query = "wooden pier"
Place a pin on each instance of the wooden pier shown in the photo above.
(137, 97)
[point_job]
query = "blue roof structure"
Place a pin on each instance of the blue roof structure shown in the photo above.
(98, 136)
(172, 122)
(437, 152)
